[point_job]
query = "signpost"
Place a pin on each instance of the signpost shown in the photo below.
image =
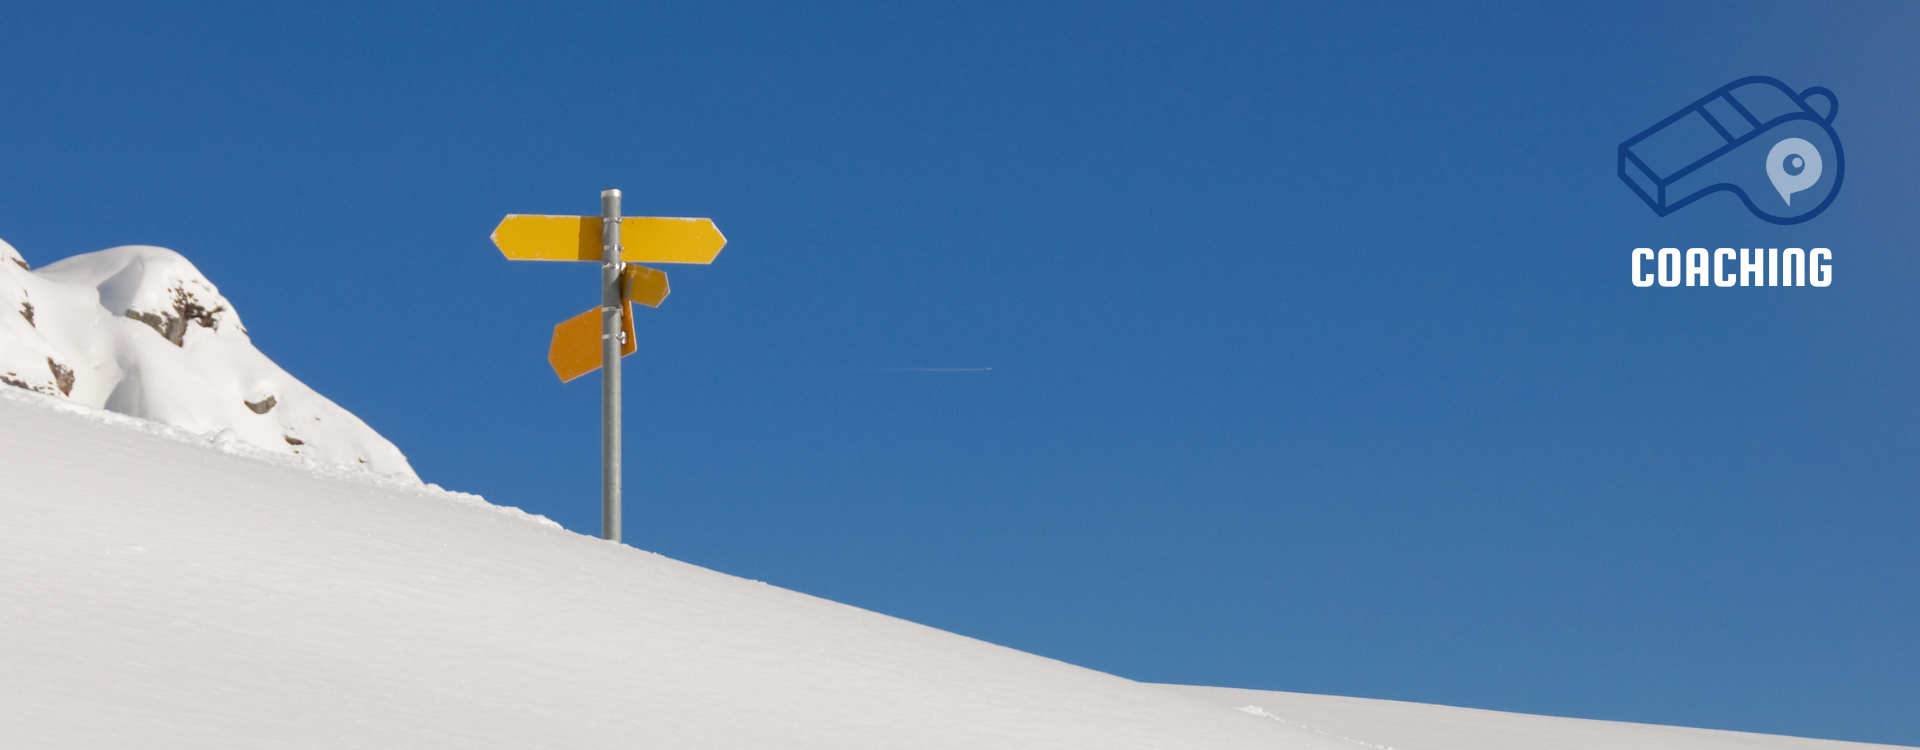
(617, 243)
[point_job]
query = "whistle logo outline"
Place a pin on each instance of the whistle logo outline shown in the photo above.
(1730, 140)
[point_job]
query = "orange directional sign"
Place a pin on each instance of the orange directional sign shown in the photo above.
(644, 285)
(643, 239)
(576, 343)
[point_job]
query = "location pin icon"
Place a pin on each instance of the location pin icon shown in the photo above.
(1793, 165)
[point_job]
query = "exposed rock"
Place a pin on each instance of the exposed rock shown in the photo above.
(26, 311)
(172, 325)
(62, 376)
(62, 380)
(262, 406)
(291, 440)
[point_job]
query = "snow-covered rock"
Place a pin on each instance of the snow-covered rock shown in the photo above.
(138, 330)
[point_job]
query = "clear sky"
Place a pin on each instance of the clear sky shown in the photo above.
(1315, 364)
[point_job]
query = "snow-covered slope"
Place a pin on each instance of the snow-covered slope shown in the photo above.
(155, 593)
(138, 330)
(158, 593)
(1361, 723)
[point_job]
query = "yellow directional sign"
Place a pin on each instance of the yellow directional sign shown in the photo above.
(643, 239)
(576, 343)
(583, 343)
(647, 286)
(656, 240)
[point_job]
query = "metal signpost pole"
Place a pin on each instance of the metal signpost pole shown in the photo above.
(610, 342)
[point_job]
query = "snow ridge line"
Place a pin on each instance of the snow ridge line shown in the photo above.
(225, 441)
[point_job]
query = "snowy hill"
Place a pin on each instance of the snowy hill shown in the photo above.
(1395, 725)
(158, 592)
(138, 330)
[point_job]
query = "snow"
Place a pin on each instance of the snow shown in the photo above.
(160, 589)
(1393, 725)
(157, 593)
(138, 330)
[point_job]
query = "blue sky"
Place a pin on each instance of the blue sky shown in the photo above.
(1315, 364)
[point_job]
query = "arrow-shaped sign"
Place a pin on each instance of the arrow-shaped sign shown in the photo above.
(576, 342)
(643, 239)
(647, 286)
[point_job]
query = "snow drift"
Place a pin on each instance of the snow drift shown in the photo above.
(138, 330)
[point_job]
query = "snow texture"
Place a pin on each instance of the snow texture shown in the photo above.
(157, 594)
(162, 590)
(1366, 724)
(139, 331)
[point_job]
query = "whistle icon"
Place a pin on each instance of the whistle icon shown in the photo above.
(1755, 138)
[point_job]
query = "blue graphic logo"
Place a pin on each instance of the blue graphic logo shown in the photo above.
(1754, 138)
